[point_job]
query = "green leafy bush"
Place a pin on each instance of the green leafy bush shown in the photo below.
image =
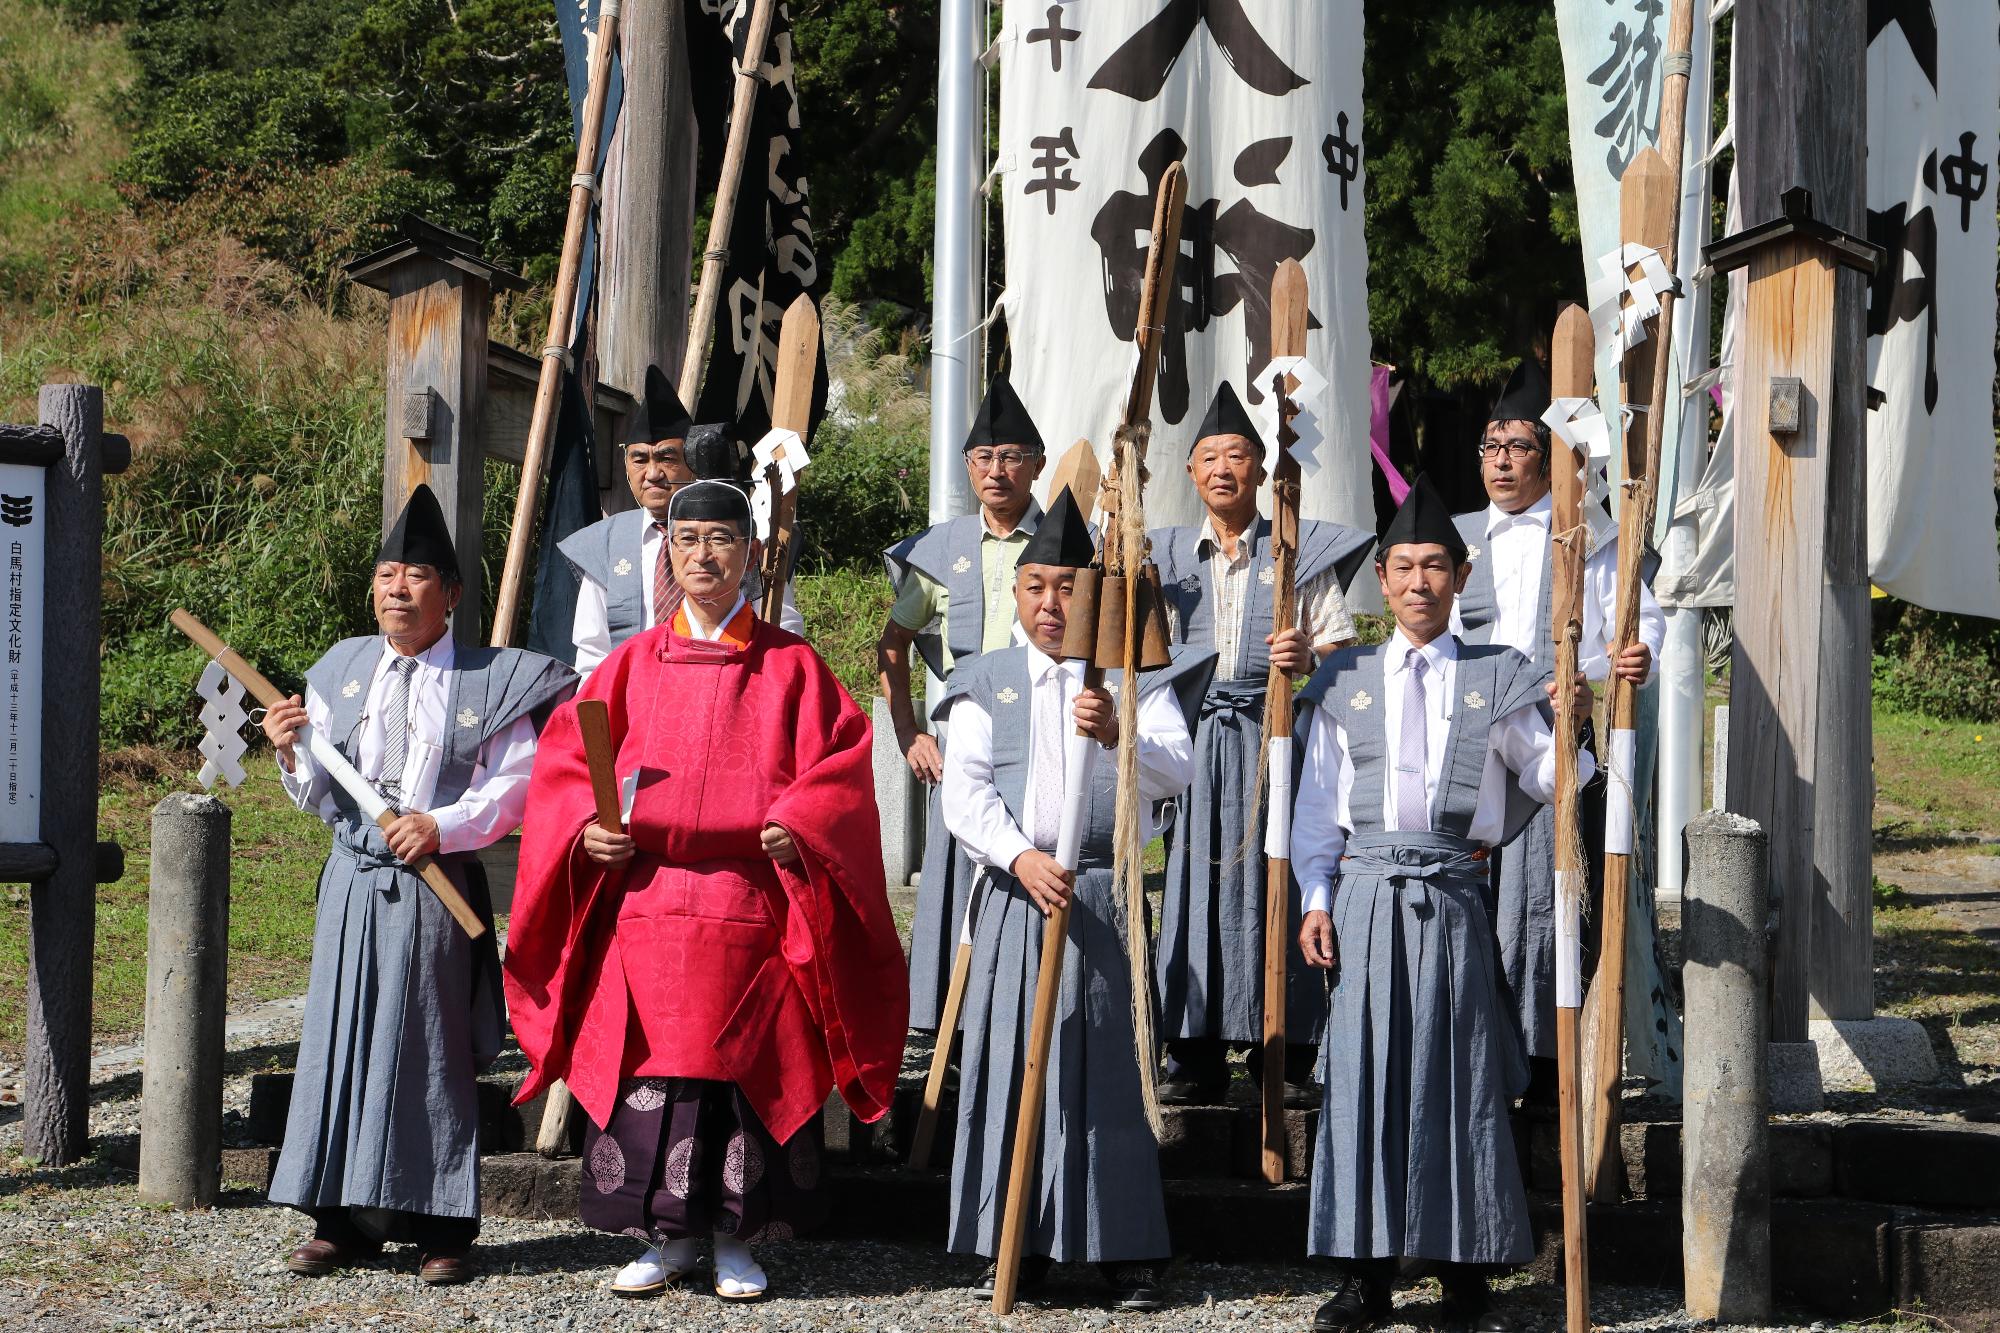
(1940, 665)
(220, 127)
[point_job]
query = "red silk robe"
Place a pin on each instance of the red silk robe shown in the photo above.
(700, 957)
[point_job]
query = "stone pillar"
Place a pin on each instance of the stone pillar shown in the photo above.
(187, 972)
(902, 801)
(1726, 1171)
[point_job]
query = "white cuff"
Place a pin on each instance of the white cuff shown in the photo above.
(1012, 844)
(1317, 897)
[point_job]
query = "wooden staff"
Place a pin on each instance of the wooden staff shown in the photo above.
(562, 317)
(1572, 359)
(1077, 473)
(1647, 205)
(749, 77)
(791, 409)
(1288, 338)
(1122, 559)
(335, 763)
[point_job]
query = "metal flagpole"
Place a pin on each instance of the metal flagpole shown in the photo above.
(955, 314)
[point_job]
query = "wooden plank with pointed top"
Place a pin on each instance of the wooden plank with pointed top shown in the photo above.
(1078, 473)
(791, 409)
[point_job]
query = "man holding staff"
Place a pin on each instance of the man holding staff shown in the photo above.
(403, 1009)
(1220, 588)
(1416, 752)
(1098, 1195)
(1507, 600)
(954, 601)
(704, 976)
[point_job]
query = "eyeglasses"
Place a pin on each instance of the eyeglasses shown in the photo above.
(986, 460)
(719, 542)
(1514, 449)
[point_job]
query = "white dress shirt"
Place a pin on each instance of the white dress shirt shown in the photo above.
(493, 801)
(973, 810)
(1519, 742)
(590, 628)
(1518, 547)
(1320, 607)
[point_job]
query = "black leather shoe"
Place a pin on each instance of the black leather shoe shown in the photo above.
(318, 1257)
(1187, 1092)
(1034, 1272)
(1468, 1308)
(1139, 1286)
(1356, 1307)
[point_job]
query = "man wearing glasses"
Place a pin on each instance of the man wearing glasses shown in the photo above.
(627, 578)
(955, 600)
(1506, 600)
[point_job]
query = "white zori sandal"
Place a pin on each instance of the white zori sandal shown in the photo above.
(656, 1270)
(738, 1277)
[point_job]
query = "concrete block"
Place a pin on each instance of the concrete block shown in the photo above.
(1199, 1141)
(901, 800)
(1951, 1273)
(1652, 1152)
(249, 1168)
(1927, 1165)
(1863, 1055)
(270, 1103)
(1831, 1257)
(1801, 1159)
(1633, 1242)
(1245, 1155)
(1795, 1083)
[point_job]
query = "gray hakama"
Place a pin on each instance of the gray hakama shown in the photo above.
(1415, 1155)
(1099, 1196)
(1209, 971)
(949, 554)
(402, 1009)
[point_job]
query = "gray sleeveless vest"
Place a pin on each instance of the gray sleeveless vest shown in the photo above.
(948, 553)
(1184, 580)
(608, 554)
(1491, 681)
(1479, 606)
(489, 689)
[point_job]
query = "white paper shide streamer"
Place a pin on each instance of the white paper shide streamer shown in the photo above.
(222, 719)
(787, 451)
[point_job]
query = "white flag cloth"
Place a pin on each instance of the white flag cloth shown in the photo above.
(1262, 101)
(1933, 136)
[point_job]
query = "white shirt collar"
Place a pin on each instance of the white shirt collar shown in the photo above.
(1213, 539)
(1041, 665)
(1539, 513)
(439, 656)
(694, 625)
(1442, 649)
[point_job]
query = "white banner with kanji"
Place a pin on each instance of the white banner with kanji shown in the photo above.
(1933, 136)
(1261, 99)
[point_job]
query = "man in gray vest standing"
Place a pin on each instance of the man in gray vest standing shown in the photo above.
(1506, 600)
(403, 1009)
(955, 600)
(627, 582)
(1220, 586)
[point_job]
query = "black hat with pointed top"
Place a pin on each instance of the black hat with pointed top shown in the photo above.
(1422, 521)
(1526, 396)
(1003, 419)
(659, 415)
(1226, 416)
(712, 452)
(1061, 538)
(421, 536)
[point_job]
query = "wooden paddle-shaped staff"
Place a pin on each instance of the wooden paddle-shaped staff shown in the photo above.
(1107, 621)
(1647, 208)
(562, 317)
(1572, 358)
(334, 762)
(1077, 473)
(1288, 338)
(791, 409)
(749, 78)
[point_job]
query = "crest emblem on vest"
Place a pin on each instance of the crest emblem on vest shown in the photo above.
(1008, 695)
(960, 565)
(350, 689)
(1475, 700)
(1360, 701)
(467, 718)
(1192, 583)
(1267, 576)
(622, 568)
(1471, 553)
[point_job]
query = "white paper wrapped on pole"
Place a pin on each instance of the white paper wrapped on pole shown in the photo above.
(1618, 811)
(1569, 942)
(344, 775)
(1278, 817)
(1079, 757)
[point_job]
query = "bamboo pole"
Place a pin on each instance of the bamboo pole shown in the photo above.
(1648, 207)
(1572, 358)
(1289, 301)
(562, 317)
(749, 77)
(1122, 489)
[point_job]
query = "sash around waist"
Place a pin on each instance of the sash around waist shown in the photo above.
(1234, 697)
(1414, 863)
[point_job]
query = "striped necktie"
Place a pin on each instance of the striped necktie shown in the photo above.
(666, 592)
(396, 730)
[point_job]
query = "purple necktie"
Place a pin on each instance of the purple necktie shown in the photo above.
(1412, 803)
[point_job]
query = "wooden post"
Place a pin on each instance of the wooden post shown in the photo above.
(1573, 354)
(62, 908)
(1647, 208)
(440, 292)
(1799, 755)
(791, 409)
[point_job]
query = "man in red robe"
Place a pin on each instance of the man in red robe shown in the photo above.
(703, 979)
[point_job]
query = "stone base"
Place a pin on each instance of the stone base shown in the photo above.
(900, 799)
(1864, 1055)
(1795, 1082)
